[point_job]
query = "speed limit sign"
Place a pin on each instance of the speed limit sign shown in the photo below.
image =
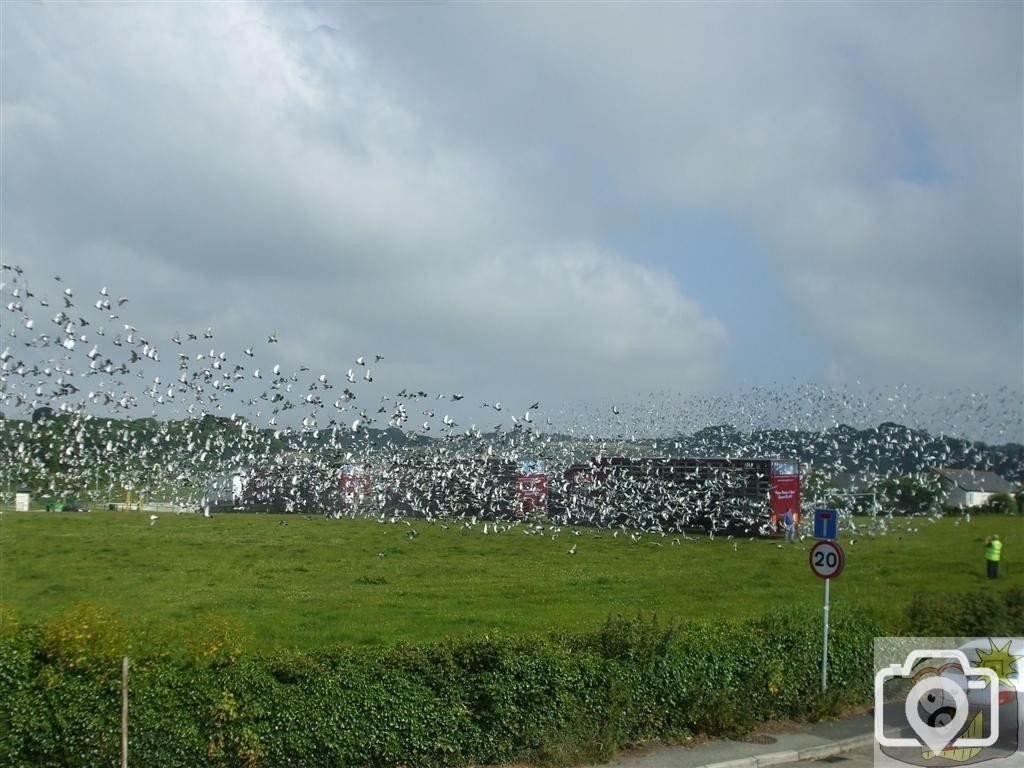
(827, 559)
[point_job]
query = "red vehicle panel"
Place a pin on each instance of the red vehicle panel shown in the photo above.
(533, 490)
(746, 495)
(785, 491)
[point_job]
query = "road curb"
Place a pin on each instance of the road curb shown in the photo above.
(741, 762)
(776, 758)
(856, 742)
(795, 755)
(827, 750)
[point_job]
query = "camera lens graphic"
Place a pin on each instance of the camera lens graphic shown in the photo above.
(937, 707)
(940, 717)
(945, 722)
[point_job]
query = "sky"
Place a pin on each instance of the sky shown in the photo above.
(581, 205)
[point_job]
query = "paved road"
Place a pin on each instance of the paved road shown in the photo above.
(862, 757)
(846, 743)
(775, 745)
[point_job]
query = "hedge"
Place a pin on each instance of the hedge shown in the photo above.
(483, 700)
(987, 612)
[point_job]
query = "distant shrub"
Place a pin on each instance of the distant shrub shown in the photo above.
(216, 639)
(86, 636)
(1001, 504)
(9, 623)
(975, 613)
(1014, 606)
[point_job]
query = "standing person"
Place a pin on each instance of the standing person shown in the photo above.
(993, 548)
(789, 525)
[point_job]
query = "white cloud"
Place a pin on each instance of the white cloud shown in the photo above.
(226, 169)
(440, 184)
(874, 152)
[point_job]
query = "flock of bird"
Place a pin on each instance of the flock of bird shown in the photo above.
(180, 411)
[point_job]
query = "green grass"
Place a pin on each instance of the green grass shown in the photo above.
(315, 582)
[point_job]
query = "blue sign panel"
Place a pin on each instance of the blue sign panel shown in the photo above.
(825, 523)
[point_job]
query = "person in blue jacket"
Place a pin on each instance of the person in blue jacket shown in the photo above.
(789, 525)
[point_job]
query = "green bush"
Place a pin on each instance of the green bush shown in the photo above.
(1001, 504)
(490, 699)
(973, 614)
(86, 636)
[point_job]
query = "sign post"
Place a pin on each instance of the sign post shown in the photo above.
(825, 523)
(827, 562)
(124, 712)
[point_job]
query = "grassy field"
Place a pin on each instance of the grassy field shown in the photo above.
(312, 582)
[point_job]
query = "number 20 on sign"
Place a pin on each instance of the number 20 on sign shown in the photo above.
(827, 559)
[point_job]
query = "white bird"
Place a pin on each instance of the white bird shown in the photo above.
(152, 519)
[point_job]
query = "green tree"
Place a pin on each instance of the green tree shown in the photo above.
(1001, 504)
(43, 414)
(910, 494)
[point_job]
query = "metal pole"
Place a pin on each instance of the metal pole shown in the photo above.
(824, 644)
(124, 712)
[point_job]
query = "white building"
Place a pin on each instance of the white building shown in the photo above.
(972, 487)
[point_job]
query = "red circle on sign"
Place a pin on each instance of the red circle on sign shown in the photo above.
(827, 559)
